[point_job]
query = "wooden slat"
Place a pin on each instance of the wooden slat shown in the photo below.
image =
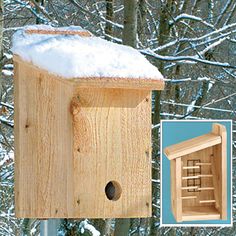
(190, 167)
(205, 176)
(207, 201)
(190, 177)
(203, 164)
(82, 33)
(189, 197)
(196, 177)
(192, 145)
(104, 82)
(125, 83)
(189, 187)
(206, 188)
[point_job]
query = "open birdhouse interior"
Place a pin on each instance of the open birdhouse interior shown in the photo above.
(198, 176)
(197, 184)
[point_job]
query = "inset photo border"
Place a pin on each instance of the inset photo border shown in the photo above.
(196, 173)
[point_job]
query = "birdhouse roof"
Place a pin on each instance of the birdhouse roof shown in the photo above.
(192, 145)
(73, 53)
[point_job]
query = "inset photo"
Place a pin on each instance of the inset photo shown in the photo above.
(196, 173)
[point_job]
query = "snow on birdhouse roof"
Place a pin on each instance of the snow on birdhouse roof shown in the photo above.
(63, 52)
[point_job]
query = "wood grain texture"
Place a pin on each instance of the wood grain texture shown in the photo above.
(189, 197)
(71, 141)
(178, 190)
(125, 83)
(200, 213)
(215, 182)
(109, 82)
(112, 143)
(43, 145)
(192, 145)
(220, 164)
(203, 159)
(81, 33)
(173, 186)
(204, 156)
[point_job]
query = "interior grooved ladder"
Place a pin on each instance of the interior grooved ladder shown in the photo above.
(195, 188)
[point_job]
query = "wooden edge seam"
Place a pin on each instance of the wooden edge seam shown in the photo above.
(82, 33)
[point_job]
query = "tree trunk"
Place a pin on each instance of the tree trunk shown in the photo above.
(130, 23)
(122, 227)
(164, 31)
(26, 227)
(108, 228)
(109, 16)
(177, 72)
(202, 93)
(142, 14)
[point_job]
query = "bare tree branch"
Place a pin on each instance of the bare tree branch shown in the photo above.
(186, 59)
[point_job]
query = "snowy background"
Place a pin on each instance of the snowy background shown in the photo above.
(191, 42)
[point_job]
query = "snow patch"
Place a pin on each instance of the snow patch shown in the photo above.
(191, 106)
(7, 72)
(6, 157)
(203, 78)
(84, 225)
(187, 17)
(210, 84)
(8, 66)
(73, 56)
(7, 55)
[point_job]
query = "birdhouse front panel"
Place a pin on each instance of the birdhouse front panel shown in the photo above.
(82, 144)
(198, 177)
(105, 123)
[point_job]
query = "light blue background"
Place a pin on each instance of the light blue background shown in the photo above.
(177, 131)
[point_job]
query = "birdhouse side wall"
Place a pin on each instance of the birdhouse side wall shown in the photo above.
(43, 144)
(220, 176)
(179, 209)
(220, 163)
(173, 186)
(176, 185)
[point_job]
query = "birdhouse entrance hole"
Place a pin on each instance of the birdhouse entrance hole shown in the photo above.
(113, 190)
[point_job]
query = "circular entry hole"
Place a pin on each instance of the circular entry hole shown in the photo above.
(113, 190)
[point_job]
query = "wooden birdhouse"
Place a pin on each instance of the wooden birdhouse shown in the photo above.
(82, 126)
(199, 176)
